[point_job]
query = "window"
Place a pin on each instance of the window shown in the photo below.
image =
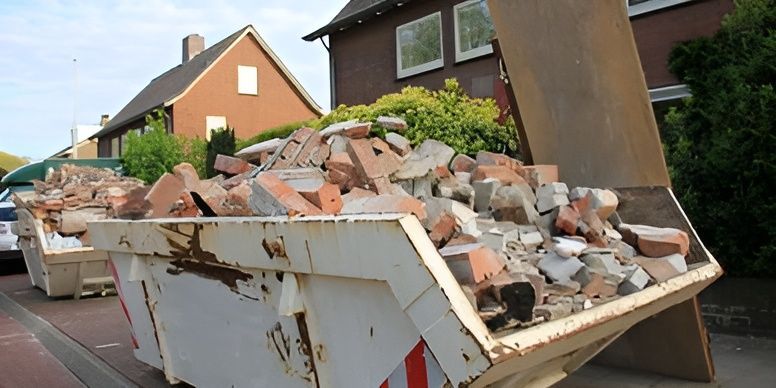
(213, 122)
(638, 7)
(247, 80)
(114, 147)
(419, 46)
(123, 144)
(473, 30)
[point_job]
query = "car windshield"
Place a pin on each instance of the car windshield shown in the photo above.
(7, 214)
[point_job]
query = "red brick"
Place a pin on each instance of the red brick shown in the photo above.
(231, 165)
(286, 196)
(163, 195)
(567, 220)
(665, 244)
(364, 159)
(485, 263)
(188, 174)
(357, 131)
(442, 172)
(493, 159)
(540, 174)
(326, 197)
(599, 286)
(503, 174)
(185, 206)
(443, 230)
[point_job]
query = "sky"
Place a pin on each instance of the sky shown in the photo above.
(122, 45)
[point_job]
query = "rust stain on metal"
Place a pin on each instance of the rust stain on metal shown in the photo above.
(194, 249)
(275, 248)
(305, 347)
(320, 352)
(124, 241)
(151, 315)
(226, 275)
(281, 344)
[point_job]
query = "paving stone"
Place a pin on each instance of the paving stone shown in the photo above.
(514, 203)
(399, 144)
(392, 123)
(385, 204)
(550, 196)
(636, 279)
(463, 163)
(440, 152)
(559, 269)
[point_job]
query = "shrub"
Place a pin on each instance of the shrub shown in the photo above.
(194, 152)
(448, 115)
(148, 156)
(720, 143)
(221, 142)
(153, 153)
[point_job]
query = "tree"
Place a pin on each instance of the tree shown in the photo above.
(222, 142)
(720, 143)
(149, 155)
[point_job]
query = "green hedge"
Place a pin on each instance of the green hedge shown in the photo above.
(449, 115)
(720, 144)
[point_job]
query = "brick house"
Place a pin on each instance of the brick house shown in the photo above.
(379, 46)
(238, 82)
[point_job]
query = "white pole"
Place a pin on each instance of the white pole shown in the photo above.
(74, 129)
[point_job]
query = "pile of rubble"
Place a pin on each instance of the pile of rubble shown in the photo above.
(74, 195)
(524, 247)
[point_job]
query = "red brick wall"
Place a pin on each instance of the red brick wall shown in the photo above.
(657, 32)
(216, 95)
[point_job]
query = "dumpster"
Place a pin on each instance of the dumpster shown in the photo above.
(350, 301)
(60, 272)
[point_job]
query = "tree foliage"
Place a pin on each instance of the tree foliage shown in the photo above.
(222, 142)
(720, 143)
(150, 154)
(153, 153)
(448, 115)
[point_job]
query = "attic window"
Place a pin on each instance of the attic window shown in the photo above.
(247, 80)
(473, 30)
(419, 45)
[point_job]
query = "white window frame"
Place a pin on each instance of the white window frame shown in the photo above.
(651, 6)
(435, 64)
(247, 80)
(473, 53)
(672, 92)
(211, 125)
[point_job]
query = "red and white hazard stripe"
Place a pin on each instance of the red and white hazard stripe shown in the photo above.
(418, 370)
(117, 283)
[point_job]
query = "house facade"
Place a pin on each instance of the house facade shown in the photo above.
(238, 82)
(378, 47)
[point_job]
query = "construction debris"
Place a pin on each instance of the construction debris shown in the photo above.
(524, 247)
(74, 195)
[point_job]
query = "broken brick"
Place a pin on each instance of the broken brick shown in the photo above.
(392, 123)
(231, 165)
(503, 174)
(271, 196)
(656, 242)
(473, 263)
(163, 195)
(567, 220)
(357, 193)
(540, 174)
(443, 230)
(326, 196)
(188, 174)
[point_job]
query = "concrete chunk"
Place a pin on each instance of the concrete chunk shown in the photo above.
(398, 143)
(635, 281)
(392, 123)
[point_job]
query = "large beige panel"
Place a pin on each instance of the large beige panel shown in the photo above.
(581, 91)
